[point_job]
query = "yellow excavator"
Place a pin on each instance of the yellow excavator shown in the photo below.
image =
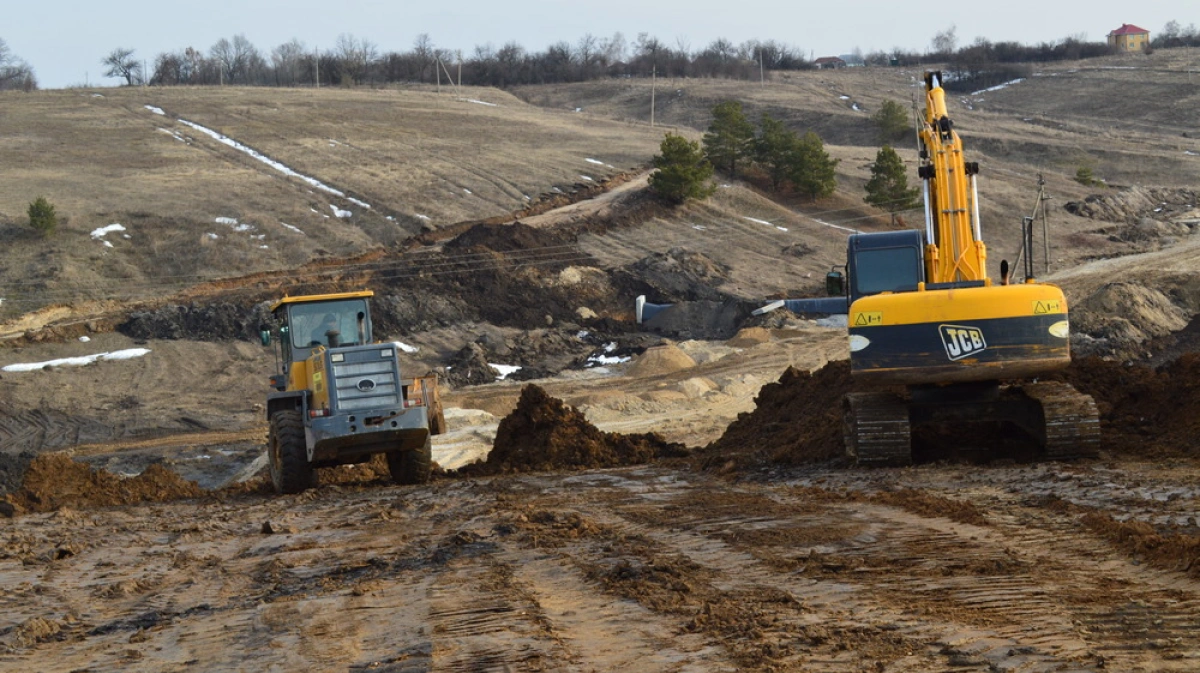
(923, 314)
(937, 348)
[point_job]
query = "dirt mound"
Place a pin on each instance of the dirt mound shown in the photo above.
(1120, 319)
(1134, 204)
(663, 359)
(797, 419)
(679, 275)
(544, 433)
(1144, 413)
(53, 480)
(205, 322)
(509, 238)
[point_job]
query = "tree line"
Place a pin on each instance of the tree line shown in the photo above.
(357, 61)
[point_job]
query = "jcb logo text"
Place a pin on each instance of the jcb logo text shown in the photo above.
(961, 342)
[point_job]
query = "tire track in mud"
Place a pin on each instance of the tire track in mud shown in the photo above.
(38, 430)
(957, 595)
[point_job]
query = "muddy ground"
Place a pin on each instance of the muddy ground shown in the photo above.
(631, 499)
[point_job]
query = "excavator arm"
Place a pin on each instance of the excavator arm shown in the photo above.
(954, 249)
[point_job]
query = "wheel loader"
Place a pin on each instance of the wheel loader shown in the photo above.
(941, 344)
(340, 397)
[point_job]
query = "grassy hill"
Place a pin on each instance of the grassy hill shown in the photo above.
(195, 208)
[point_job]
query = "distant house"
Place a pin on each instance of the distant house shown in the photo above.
(829, 63)
(1129, 38)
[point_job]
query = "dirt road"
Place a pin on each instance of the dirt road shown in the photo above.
(646, 569)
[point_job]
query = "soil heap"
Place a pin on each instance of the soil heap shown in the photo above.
(1144, 413)
(544, 433)
(54, 480)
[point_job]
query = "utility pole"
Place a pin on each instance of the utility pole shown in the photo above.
(762, 80)
(316, 69)
(653, 81)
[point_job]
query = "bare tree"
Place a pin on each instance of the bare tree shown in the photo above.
(944, 42)
(588, 56)
(356, 56)
(14, 73)
(425, 56)
(238, 60)
(615, 48)
(288, 61)
(121, 63)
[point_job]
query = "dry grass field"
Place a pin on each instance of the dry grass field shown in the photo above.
(423, 158)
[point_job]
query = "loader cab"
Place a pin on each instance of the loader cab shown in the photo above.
(322, 321)
(888, 261)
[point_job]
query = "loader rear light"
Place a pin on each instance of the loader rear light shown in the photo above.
(318, 413)
(413, 402)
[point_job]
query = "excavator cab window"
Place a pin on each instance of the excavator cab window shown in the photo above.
(885, 262)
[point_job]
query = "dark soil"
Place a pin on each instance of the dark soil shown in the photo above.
(1144, 413)
(544, 433)
(54, 480)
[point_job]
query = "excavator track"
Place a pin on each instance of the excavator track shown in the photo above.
(876, 429)
(1072, 421)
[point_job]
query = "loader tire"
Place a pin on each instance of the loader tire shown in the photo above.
(411, 467)
(287, 453)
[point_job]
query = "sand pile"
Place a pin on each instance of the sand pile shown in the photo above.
(544, 433)
(53, 480)
(658, 360)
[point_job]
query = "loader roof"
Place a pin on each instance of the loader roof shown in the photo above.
(313, 298)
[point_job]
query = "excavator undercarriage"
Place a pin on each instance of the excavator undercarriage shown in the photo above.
(1045, 420)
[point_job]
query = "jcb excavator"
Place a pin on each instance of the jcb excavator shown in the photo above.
(924, 317)
(924, 314)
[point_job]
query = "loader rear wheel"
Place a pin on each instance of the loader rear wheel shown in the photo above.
(411, 467)
(287, 453)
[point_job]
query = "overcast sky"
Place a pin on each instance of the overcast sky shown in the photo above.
(64, 41)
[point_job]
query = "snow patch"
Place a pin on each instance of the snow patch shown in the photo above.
(156, 110)
(226, 140)
(127, 354)
(503, 371)
(338, 212)
(999, 86)
(103, 231)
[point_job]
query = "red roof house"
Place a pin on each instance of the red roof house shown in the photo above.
(1129, 38)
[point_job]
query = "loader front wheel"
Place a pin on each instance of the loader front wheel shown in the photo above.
(411, 467)
(287, 453)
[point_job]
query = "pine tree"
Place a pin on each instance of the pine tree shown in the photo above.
(683, 172)
(888, 187)
(775, 150)
(42, 216)
(730, 137)
(892, 121)
(812, 169)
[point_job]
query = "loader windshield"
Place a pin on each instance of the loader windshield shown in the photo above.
(329, 323)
